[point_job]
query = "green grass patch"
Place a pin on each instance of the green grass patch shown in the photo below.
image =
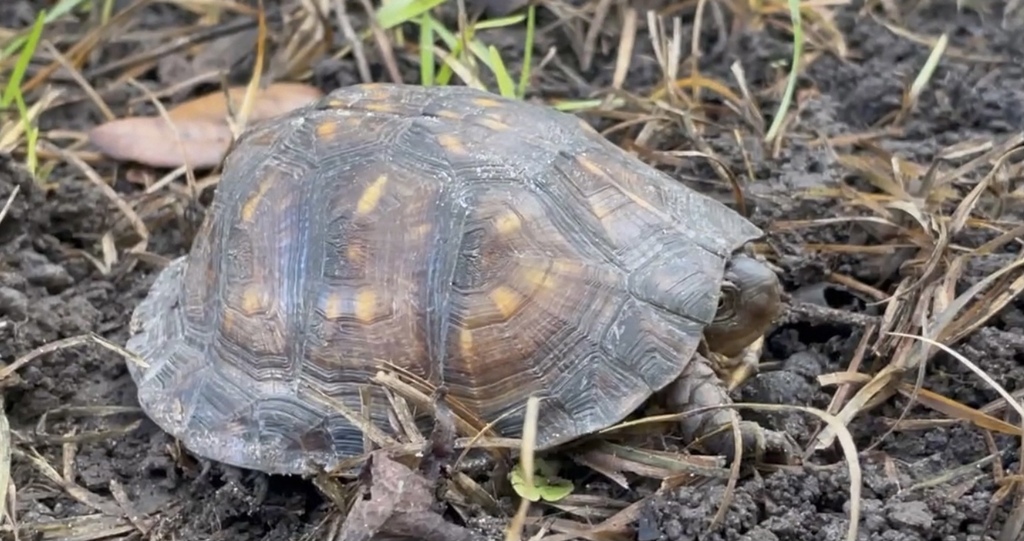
(12, 91)
(445, 53)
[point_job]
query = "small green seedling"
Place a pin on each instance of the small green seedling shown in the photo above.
(546, 484)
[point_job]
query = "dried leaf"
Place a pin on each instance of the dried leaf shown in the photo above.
(151, 141)
(274, 100)
(400, 503)
(201, 124)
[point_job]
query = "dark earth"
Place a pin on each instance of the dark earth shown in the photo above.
(915, 483)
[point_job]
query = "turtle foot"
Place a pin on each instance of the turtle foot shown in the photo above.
(698, 390)
(758, 443)
(734, 371)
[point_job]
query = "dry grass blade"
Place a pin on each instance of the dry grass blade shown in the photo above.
(913, 94)
(514, 531)
(834, 423)
(92, 527)
(849, 453)
(1014, 403)
(957, 410)
(614, 458)
(238, 121)
(11, 133)
(1014, 524)
(419, 391)
(5, 428)
(923, 302)
(375, 434)
(627, 41)
(971, 469)
(129, 213)
(5, 463)
(82, 495)
(71, 341)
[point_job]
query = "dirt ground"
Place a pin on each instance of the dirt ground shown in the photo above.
(929, 482)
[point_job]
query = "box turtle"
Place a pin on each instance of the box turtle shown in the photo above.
(498, 247)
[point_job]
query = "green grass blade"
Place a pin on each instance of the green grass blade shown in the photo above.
(397, 12)
(505, 84)
(427, 62)
(524, 75)
(798, 46)
(61, 9)
(499, 22)
(27, 52)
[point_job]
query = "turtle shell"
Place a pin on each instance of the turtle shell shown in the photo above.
(499, 248)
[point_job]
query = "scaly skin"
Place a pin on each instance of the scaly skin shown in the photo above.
(751, 300)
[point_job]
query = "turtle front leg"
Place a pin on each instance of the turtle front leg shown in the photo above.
(699, 387)
(736, 370)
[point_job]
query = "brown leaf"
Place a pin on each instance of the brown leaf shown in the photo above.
(275, 100)
(400, 503)
(201, 124)
(151, 141)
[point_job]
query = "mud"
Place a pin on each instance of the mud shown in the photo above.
(49, 291)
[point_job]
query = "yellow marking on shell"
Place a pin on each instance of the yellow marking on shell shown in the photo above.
(451, 143)
(380, 107)
(495, 124)
(334, 306)
(366, 305)
(419, 232)
(506, 300)
(601, 207)
(508, 223)
(351, 121)
(356, 253)
(228, 321)
(539, 278)
(564, 267)
(376, 91)
(327, 129)
(489, 103)
(263, 137)
(466, 342)
(336, 103)
(449, 114)
(251, 204)
(252, 300)
(371, 196)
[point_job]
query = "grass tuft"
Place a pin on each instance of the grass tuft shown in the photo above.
(12, 92)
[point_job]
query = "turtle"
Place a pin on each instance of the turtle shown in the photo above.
(495, 247)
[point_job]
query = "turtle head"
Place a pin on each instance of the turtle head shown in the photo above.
(750, 299)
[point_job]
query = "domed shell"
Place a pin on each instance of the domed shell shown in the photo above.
(498, 247)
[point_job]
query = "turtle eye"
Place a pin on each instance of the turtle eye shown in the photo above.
(727, 302)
